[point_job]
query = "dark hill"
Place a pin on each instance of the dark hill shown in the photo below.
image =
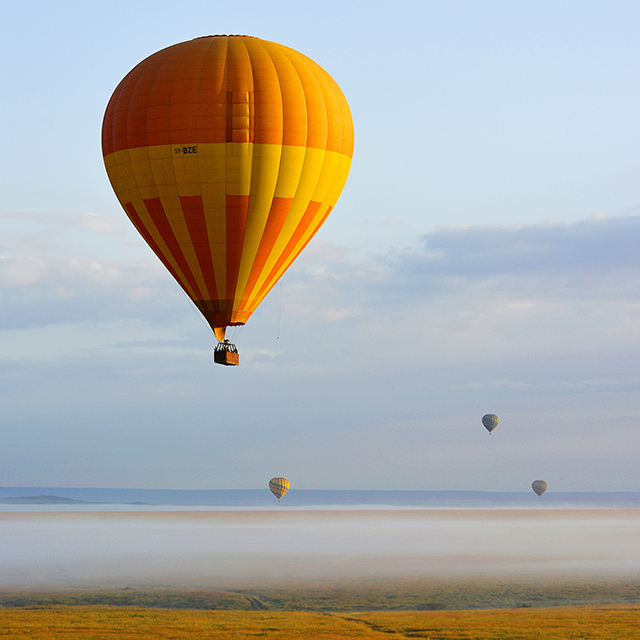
(41, 500)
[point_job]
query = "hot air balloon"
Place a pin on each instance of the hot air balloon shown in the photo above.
(279, 486)
(490, 422)
(539, 487)
(227, 153)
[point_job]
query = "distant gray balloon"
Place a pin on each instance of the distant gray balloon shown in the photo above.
(539, 487)
(490, 422)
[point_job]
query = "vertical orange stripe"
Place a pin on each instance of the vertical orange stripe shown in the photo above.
(194, 216)
(303, 226)
(229, 118)
(134, 216)
(159, 217)
(237, 212)
(276, 219)
(272, 279)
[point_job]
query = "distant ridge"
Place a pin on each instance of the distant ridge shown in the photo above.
(44, 499)
(317, 498)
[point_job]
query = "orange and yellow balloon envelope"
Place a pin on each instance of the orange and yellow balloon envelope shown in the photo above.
(279, 486)
(227, 153)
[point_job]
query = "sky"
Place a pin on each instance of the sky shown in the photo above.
(483, 258)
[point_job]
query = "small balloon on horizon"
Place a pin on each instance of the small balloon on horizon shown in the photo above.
(490, 422)
(539, 487)
(279, 486)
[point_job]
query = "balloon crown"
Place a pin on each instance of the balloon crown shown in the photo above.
(224, 35)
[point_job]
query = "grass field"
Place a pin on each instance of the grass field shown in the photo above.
(487, 609)
(361, 596)
(82, 622)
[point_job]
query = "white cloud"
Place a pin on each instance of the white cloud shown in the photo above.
(21, 270)
(106, 225)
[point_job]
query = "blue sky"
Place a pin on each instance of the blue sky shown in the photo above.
(482, 258)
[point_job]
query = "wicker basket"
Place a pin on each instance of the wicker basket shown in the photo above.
(226, 357)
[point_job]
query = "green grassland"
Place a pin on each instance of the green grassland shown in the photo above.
(478, 609)
(357, 596)
(82, 622)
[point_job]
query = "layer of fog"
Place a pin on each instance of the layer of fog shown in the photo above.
(215, 547)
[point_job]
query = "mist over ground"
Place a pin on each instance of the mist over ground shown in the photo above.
(199, 547)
